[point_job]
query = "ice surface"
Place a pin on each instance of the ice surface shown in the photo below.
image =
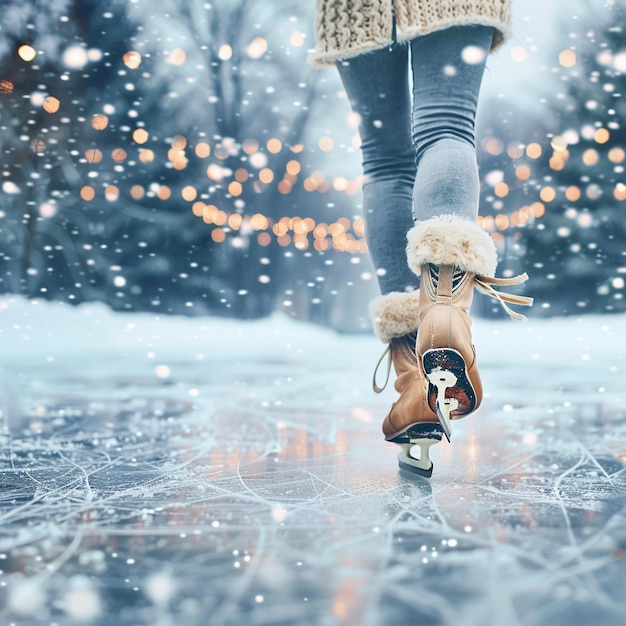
(198, 471)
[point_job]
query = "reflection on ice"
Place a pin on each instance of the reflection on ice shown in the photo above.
(254, 486)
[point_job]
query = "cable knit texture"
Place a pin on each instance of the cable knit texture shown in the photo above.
(346, 28)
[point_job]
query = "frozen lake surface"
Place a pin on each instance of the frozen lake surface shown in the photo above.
(169, 471)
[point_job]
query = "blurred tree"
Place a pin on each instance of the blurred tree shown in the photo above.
(553, 182)
(579, 249)
(160, 156)
(33, 143)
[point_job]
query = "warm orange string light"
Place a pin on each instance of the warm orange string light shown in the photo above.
(344, 234)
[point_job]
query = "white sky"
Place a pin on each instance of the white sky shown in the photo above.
(536, 27)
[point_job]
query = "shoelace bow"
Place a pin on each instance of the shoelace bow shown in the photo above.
(484, 284)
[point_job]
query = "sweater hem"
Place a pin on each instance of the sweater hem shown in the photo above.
(333, 56)
(501, 34)
(347, 28)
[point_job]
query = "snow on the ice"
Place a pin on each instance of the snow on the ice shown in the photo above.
(580, 354)
(161, 470)
(37, 329)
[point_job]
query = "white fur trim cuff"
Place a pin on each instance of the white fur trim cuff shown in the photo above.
(449, 240)
(395, 314)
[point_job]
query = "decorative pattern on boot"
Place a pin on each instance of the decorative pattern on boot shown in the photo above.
(458, 278)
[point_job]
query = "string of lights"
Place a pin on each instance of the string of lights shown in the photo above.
(343, 234)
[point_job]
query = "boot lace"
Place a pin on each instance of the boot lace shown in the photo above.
(406, 346)
(486, 284)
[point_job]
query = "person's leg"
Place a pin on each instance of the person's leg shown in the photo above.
(377, 85)
(447, 67)
(446, 246)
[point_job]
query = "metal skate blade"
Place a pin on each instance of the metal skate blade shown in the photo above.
(443, 379)
(443, 413)
(413, 467)
(422, 466)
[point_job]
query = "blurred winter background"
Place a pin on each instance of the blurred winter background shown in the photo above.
(183, 157)
(162, 158)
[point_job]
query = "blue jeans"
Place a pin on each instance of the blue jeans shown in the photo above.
(417, 138)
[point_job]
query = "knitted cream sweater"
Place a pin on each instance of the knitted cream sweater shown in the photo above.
(345, 28)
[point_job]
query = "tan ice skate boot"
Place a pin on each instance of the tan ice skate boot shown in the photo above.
(453, 256)
(410, 422)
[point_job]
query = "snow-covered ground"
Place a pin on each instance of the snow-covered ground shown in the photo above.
(162, 470)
